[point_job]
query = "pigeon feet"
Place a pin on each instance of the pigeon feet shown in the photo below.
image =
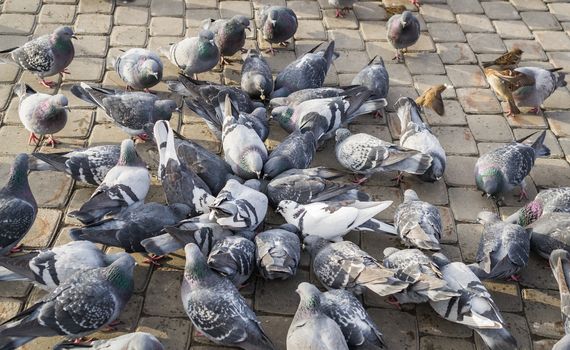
(149, 91)
(33, 139)
(284, 44)
(65, 71)
(393, 301)
(416, 3)
(82, 340)
(52, 141)
(378, 115)
(48, 83)
(360, 179)
(153, 259)
(270, 50)
(399, 179)
(16, 249)
(515, 278)
(535, 110)
(523, 195)
(111, 327)
(224, 61)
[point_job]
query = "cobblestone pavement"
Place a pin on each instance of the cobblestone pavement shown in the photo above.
(456, 35)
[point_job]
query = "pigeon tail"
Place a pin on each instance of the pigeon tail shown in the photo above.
(162, 245)
(330, 55)
(7, 275)
(560, 80)
(162, 134)
(82, 92)
(6, 56)
(22, 89)
(498, 339)
(50, 161)
(539, 148)
(371, 106)
(377, 226)
(13, 343)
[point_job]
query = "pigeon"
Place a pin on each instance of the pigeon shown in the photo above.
(130, 341)
(503, 87)
(89, 165)
(474, 307)
(311, 328)
(552, 200)
(560, 264)
(278, 252)
(194, 55)
(332, 220)
(216, 308)
(418, 223)
(229, 34)
(256, 77)
(239, 207)
(305, 186)
(503, 250)
(431, 98)
(415, 134)
(502, 169)
(126, 183)
(551, 231)
(45, 56)
(359, 331)
(402, 31)
(86, 302)
(295, 152)
(180, 184)
(129, 110)
(342, 7)
(18, 208)
(278, 24)
(365, 155)
(545, 82)
(50, 267)
(306, 72)
(298, 97)
(243, 148)
(140, 69)
(563, 343)
(233, 257)
(41, 114)
(343, 265)
(374, 77)
(424, 278)
(508, 60)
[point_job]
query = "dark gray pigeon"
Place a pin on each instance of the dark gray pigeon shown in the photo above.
(311, 328)
(140, 69)
(45, 56)
(297, 97)
(552, 200)
(233, 257)
(278, 252)
(256, 77)
(89, 165)
(216, 308)
(374, 77)
(277, 24)
(229, 34)
(296, 151)
(126, 183)
(306, 72)
(343, 265)
(41, 114)
(474, 307)
(18, 208)
(129, 341)
(545, 82)
(129, 110)
(194, 55)
(560, 265)
(257, 119)
(359, 330)
(402, 31)
(504, 168)
(418, 223)
(86, 302)
(550, 232)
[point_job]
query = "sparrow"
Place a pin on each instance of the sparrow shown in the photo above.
(431, 98)
(505, 82)
(509, 60)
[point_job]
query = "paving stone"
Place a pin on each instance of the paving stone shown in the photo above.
(550, 141)
(381, 49)
(518, 327)
(86, 69)
(565, 144)
(453, 114)
(540, 21)
(131, 16)
(92, 45)
(478, 101)
(446, 32)
(527, 121)
(485, 43)
(529, 5)
(398, 91)
(14, 140)
(500, 10)
(104, 134)
(432, 192)
(537, 274)
(305, 9)
(369, 11)
(163, 294)
(560, 99)
(92, 24)
(466, 203)
(532, 49)
(351, 61)
(95, 6)
(560, 10)
(346, 39)
(551, 173)
(200, 4)
(465, 6)
(425, 63)
(228, 9)
(424, 43)
(459, 171)
(16, 23)
(386, 194)
(469, 236)
(456, 53)
(512, 30)
(5, 92)
(553, 41)
(128, 36)
(542, 308)
(170, 8)
(544, 344)
(466, 76)
(431, 323)
(173, 333)
(399, 74)
(560, 59)
(276, 328)
(166, 26)
(437, 13)
(57, 14)
(21, 6)
(400, 325)
(449, 233)
(279, 297)
(347, 22)
(50, 188)
(492, 128)
(373, 30)
(9, 308)
(507, 295)
(9, 74)
(424, 82)
(43, 228)
(441, 343)
(475, 23)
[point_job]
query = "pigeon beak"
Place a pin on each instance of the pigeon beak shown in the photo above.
(258, 173)
(68, 108)
(154, 74)
(404, 24)
(248, 28)
(212, 42)
(74, 37)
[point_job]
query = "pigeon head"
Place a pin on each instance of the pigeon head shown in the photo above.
(310, 296)
(164, 109)
(18, 180)
(435, 171)
(440, 260)
(251, 162)
(206, 36)
(63, 33)
(129, 155)
(287, 206)
(410, 196)
(150, 72)
(120, 274)
(342, 134)
(196, 267)
(59, 101)
(490, 181)
(241, 21)
(487, 217)
(406, 18)
(530, 213)
(283, 115)
(313, 244)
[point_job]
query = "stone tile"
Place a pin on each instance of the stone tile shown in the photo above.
(276, 328)
(560, 59)
(95, 6)
(527, 121)
(437, 13)
(560, 10)
(351, 61)
(400, 325)
(57, 14)
(5, 92)
(305, 9)
(424, 43)
(257, 4)
(16, 24)
(466, 76)
(432, 342)
(200, 4)
(369, 11)
(169, 8)
(478, 101)
(9, 308)
(381, 49)
(475, 23)
(466, 203)
(424, 82)
(43, 228)
(51, 189)
(346, 39)
(532, 49)
(456, 53)
(565, 144)
(431, 192)
(491, 128)
(373, 30)
(14, 140)
(228, 9)
(279, 297)
(106, 133)
(332, 22)
(550, 141)
(311, 30)
(465, 6)
(92, 24)
(425, 63)
(560, 99)
(9, 74)
(512, 30)
(166, 26)
(456, 140)
(128, 36)
(507, 295)
(446, 32)
(163, 294)
(551, 173)
(453, 115)
(92, 45)
(559, 122)
(86, 69)
(540, 21)
(469, 236)
(529, 5)
(537, 274)
(485, 43)
(500, 10)
(431, 323)
(386, 194)
(129, 16)
(542, 309)
(173, 333)
(553, 41)
(21, 6)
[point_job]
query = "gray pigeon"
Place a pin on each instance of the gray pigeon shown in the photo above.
(18, 208)
(257, 119)
(311, 328)
(278, 252)
(342, 7)
(41, 114)
(359, 330)
(550, 232)
(256, 77)
(374, 77)
(233, 257)
(552, 200)
(239, 207)
(415, 134)
(45, 56)
(126, 183)
(560, 265)
(402, 31)
(85, 303)
(229, 33)
(545, 82)
(216, 308)
(503, 250)
(129, 110)
(180, 184)
(306, 72)
(296, 151)
(504, 168)
(297, 97)
(278, 24)
(474, 307)
(130, 341)
(89, 165)
(140, 69)
(418, 223)
(194, 55)
(365, 155)
(562, 344)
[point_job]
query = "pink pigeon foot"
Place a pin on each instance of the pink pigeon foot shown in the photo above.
(393, 301)
(339, 13)
(270, 50)
(47, 83)
(515, 278)
(153, 259)
(16, 249)
(535, 110)
(399, 179)
(33, 139)
(378, 115)
(51, 141)
(523, 195)
(360, 179)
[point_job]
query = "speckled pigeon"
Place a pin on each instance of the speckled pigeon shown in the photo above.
(343, 265)
(560, 265)
(402, 31)
(300, 96)
(306, 72)
(45, 56)
(89, 165)
(18, 208)
(278, 252)
(311, 328)
(277, 24)
(552, 200)
(140, 69)
(233, 257)
(256, 77)
(194, 55)
(129, 110)
(41, 114)
(86, 302)
(504, 168)
(545, 82)
(374, 77)
(418, 223)
(296, 151)
(550, 232)
(126, 183)
(415, 134)
(129, 341)
(216, 308)
(229, 33)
